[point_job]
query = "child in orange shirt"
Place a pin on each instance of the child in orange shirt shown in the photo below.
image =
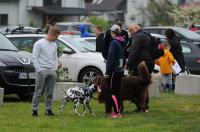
(165, 63)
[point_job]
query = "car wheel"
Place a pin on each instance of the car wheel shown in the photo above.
(88, 74)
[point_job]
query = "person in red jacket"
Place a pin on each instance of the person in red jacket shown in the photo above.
(165, 62)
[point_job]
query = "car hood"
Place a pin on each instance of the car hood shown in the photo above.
(91, 55)
(21, 57)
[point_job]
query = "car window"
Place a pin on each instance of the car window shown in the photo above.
(23, 43)
(61, 46)
(63, 27)
(5, 44)
(186, 49)
(187, 33)
(152, 31)
(78, 45)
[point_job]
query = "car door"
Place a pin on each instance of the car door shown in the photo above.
(69, 70)
(191, 57)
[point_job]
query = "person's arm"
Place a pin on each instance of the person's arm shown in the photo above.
(110, 59)
(35, 56)
(56, 58)
(106, 44)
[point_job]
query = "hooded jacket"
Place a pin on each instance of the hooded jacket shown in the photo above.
(84, 32)
(115, 56)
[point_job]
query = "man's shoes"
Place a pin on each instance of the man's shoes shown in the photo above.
(34, 113)
(49, 113)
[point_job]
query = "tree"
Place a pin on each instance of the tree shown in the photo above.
(157, 12)
(184, 16)
(99, 21)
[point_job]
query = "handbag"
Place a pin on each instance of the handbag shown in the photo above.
(176, 68)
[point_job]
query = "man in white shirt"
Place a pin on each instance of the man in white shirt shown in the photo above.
(45, 62)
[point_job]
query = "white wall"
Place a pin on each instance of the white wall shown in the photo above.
(12, 10)
(73, 3)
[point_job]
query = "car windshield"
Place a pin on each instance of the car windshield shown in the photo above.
(89, 45)
(5, 44)
(80, 46)
(187, 33)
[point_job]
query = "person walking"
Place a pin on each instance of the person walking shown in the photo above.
(114, 72)
(108, 38)
(140, 50)
(45, 61)
(165, 62)
(99, 38)
(176, 50)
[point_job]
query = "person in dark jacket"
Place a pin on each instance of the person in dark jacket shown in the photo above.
(114, 72)
(176, 50)
(99, 38)
(175, 47)
(140, 50)
(108, 38)
(84, 32)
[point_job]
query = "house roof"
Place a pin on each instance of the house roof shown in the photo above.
(103, 5)
(61, 11)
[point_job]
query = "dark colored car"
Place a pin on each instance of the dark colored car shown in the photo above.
(17, 74)
(184, 34)
(191, 52)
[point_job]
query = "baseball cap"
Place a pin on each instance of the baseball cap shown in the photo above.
(115, 28)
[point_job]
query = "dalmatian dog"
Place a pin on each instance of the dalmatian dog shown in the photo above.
(79, 95)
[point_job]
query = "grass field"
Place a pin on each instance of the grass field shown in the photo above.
(168, 113)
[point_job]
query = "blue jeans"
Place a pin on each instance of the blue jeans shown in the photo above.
(167, 78)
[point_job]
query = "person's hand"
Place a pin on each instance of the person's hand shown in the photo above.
(106, 76)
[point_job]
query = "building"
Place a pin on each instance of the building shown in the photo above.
(39, 12)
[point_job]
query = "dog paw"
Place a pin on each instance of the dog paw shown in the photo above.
(146, 111)
(93, 114)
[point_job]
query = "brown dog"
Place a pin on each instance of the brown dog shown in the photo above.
(133, 88)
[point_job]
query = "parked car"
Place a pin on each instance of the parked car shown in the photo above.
(20, 30)
(79, 63)
(73, 28)
(184, 34)
(17, 74)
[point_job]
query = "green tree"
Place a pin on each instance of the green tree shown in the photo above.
(157, 12)
(184, 16)
(99, 21)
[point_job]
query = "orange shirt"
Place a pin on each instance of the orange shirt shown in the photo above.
(165, 62)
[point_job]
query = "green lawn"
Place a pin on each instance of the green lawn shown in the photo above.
(167, 113)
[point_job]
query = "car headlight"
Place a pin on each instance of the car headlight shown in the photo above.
(2, 64)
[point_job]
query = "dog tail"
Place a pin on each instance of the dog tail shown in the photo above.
(144, 73)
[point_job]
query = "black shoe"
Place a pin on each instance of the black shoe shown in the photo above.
(49, 113)
(34, 113)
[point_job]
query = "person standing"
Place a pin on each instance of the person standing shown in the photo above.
(45, 61)
(84, 32)
(176, 50)
(99, 38)
(114, 73)
(108, 38)
(165, 62)
(140, 50)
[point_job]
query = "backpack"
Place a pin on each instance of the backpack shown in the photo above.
(155, 51)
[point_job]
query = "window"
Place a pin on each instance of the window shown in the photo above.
(3, 19)
(186, 49)
(56, 3)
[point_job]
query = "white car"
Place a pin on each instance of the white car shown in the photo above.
(79, 64)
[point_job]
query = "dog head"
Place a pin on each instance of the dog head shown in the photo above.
(100, 82)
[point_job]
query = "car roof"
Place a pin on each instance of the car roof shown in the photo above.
(161, 27)
(26, 35)
(72, 23)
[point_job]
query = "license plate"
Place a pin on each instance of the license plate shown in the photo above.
(25, 76)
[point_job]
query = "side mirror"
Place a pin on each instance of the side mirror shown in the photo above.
(67, 51)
